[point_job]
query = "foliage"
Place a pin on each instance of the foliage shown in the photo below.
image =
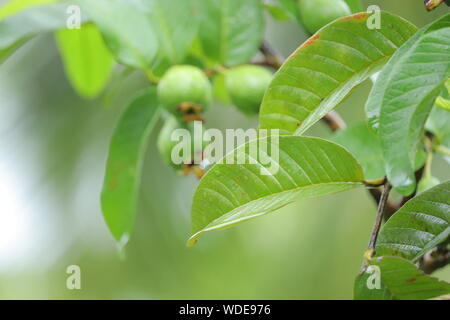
(182, 46)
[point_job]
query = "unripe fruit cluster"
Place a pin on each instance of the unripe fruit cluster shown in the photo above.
(186, 93)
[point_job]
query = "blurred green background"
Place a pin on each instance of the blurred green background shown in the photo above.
(53, 148)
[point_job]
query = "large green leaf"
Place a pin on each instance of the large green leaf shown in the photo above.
(125, 160)
(232, 193)
(365, 145)
(399, 280)
(15, 29)
(176, 23)
(419, 226)
(126, 28)
(87, 61)
(403, 96)
(231, 30)
(323, 70)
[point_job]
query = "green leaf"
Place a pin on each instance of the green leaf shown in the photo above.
(355, 5)
(419, 226)
(399, 280)
(6, 53)
(443, 103)
(403, 96)
(323, 71)
(284, 10)
(125, 161)
(277, 12)
(231, 193)
(365, 145)
(87, 61)
(176, 23)
(231, 31)
(14, 6)
(16, 29)
(126, 29)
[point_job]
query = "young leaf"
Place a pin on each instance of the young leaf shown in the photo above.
(6, 53)
(403, 96)
(419, 226)
(355, 5)
(231, 31)
(365, 145)
(443, 103)
(14, 6)
(286, 8)
(125, 160)
(127, 31)
(323, 71)
(176, 23)
(276, 11)
(399, 279)
(16, 29)
(87, 61)
(232, 193)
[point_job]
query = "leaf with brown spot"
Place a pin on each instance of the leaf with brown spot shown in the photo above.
(123, 171)
(399, 280)
(323, 71)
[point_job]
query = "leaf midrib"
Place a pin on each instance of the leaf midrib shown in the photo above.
(301, 129)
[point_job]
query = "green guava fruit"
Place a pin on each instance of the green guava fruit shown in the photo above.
(246, 86)
(166, 144)
(317, 13)
(185, 91)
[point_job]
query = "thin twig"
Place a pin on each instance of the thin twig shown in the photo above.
(272, 57)
(434, 260)
(443, 150)
(379, 218)
(390, 207)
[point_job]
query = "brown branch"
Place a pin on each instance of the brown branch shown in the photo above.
(380, 212)
(390, 207)
(433, 4)
(334, 121)
(434, 260)
(272, 58)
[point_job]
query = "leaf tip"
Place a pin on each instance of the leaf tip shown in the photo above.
(192, 240)
(122, 242)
